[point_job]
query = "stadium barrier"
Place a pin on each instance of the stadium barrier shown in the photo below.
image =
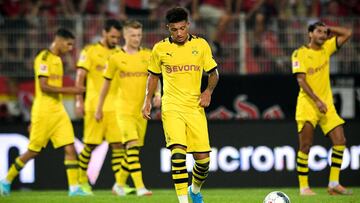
(244, 154)
(237, 97)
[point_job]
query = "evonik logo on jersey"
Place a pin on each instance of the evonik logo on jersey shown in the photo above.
(181, 68)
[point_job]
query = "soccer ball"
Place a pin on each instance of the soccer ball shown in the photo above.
(276, 197)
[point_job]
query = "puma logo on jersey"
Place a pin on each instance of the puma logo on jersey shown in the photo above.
(169, 54)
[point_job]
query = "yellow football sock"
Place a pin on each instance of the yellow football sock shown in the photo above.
(84, 158)
(180, 175)
(14, 170)
(132, 158)
(117, 157)
(200, 173)
(72, 171)
(302, 169)
(336, 160)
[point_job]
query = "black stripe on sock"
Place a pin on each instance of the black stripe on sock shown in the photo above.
(179, 171)
(303, 173)
(181, 164)
(335, 165)
(181, 180)
(302, 165)
(336, 156)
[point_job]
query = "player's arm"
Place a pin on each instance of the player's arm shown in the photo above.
(80, 82)
(45, 87)
(152, 84)
(103, 93)
(205, 97)
(301, 79)
(342, 34)
(157, 96)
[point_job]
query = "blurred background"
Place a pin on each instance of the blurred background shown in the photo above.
(253, 107)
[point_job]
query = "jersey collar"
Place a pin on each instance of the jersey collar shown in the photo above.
(189, 38)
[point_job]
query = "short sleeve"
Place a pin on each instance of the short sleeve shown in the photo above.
(110, 67)
(298, 64)
(42, 68)
(330, 46)
(155, 63)
(209, 62)
(84, 59)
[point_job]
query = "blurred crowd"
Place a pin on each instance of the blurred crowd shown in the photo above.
(273, 27)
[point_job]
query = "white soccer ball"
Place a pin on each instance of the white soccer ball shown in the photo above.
(276, 197)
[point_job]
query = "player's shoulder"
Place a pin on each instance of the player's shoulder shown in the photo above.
(164, 42)
(299, 51)
(43, 55)
(90, 46)
(145, 50)
(115, 54)
(196, 38)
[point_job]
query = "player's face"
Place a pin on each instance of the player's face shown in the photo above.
(66, 45)
(112, 37)
(133, 37)
(319, 35)
(179, 31)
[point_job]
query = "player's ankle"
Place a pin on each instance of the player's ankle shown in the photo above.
(333, 184)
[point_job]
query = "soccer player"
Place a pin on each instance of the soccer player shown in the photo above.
(90, 67)
(49, 120)
(311, 64)
(129, 66)
(181, 59)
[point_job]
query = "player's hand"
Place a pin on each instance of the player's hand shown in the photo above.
(79, 109)
(146, 109)
(157, 101)
(321, 106)
(205, 98)
(98, 115)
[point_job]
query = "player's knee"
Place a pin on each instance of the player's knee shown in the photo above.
(91, 146)
(305, 147)
(341, 140)
(199, 156)
(117, 145)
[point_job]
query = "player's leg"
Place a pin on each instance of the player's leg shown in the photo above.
(63, 137)
(39, 137)
(179, 172)
(198, 144)
(175, 136)
(338, 140)
(84, 159)
(117, 158)
(93, 136)
(14, 171)
(114, 137)
(134, 166)
(306, 137)
(332, 126)
(200, 172)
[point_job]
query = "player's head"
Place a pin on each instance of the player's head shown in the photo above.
(178, 24)
(64, 40)
(132, 33)
(318, 33)
(111, 33)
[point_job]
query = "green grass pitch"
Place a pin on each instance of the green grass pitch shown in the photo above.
(235, 195)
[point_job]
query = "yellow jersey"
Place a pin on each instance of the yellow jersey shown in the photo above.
(131, 70)
(93, 59)
(48, 65)
(181, 67)
(316, 65)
